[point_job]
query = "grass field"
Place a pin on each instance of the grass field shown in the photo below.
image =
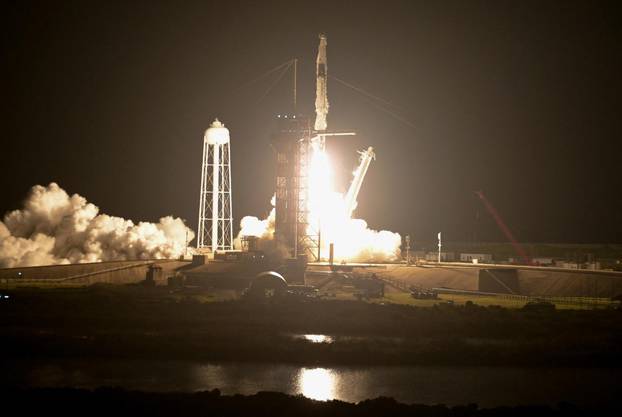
(399, 294)
(394, 296)
(571, 303)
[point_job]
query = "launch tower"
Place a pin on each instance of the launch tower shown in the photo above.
(215, 218)
(294, 145)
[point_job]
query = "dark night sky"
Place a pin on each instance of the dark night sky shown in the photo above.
(518, 99)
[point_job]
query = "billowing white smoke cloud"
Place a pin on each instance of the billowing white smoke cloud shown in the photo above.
(54, 228)
(264, 230)
(252, 226)
(356, 242)
(353, 240)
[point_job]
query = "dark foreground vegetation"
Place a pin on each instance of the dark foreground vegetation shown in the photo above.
(107, 402)
(152, 323)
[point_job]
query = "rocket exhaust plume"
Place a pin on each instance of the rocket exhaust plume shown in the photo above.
(332, 212)
(55, 228)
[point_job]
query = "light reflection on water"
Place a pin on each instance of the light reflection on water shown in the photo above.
(486, 386)
(317, 383)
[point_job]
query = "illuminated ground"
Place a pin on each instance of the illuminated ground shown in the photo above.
(566, 289)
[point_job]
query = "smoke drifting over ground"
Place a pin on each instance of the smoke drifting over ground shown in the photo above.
(55, 228)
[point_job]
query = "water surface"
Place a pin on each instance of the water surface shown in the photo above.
(486, 386)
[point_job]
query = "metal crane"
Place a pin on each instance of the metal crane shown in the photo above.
(504, 228)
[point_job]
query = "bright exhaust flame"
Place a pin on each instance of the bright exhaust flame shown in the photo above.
(328, 213)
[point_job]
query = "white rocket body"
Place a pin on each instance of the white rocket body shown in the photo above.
(321, 94)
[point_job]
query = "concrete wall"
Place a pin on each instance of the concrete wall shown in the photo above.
(569, 284)
(63, 271)
(456, 278)
(123, 272)
(530, 281)
(501, 281)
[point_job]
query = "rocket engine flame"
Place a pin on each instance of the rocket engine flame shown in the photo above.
(55, 228)
(330, 212)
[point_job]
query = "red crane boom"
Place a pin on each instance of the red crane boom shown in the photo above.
(520, 251)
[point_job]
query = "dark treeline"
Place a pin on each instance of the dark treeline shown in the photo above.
(118, 402)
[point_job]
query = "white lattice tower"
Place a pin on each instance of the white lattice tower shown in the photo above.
(215, 216)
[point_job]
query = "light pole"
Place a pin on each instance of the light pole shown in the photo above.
(439, 247)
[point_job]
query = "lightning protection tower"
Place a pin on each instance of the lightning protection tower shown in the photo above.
(215, 219)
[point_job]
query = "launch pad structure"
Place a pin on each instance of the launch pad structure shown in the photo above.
(294, 143)
(296, 140)
(292, 230)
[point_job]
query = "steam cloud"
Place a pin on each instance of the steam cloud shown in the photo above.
(54, 228)
(264, 230)
(356, 242)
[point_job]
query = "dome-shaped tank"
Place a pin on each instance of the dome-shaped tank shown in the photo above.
(217, 134)
(267, 284)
